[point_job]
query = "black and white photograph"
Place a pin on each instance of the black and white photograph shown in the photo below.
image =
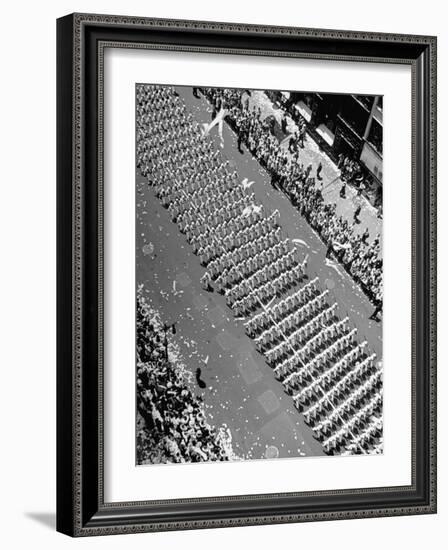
(223, 262)
(259, 274)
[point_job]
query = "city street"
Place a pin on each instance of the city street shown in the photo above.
(241, 390)
(331, 182)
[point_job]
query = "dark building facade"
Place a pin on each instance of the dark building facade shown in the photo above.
(343, 123)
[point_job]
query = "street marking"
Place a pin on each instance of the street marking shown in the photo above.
(226, 340)
(200, 302)
(183, 279)
(249, 369)
(268, 400)
(217, 315)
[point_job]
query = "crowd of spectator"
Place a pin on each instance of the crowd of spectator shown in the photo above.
(360, 255)
(172, 426)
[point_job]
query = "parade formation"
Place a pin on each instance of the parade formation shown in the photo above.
(362, 259)
(315, 353)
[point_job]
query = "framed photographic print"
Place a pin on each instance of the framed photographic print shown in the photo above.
(246, 274)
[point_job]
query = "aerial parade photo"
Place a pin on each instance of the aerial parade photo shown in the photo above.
(259, 274)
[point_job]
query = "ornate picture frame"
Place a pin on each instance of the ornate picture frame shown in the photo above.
(81, 42)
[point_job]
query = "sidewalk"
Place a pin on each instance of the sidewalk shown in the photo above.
(331, 182)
